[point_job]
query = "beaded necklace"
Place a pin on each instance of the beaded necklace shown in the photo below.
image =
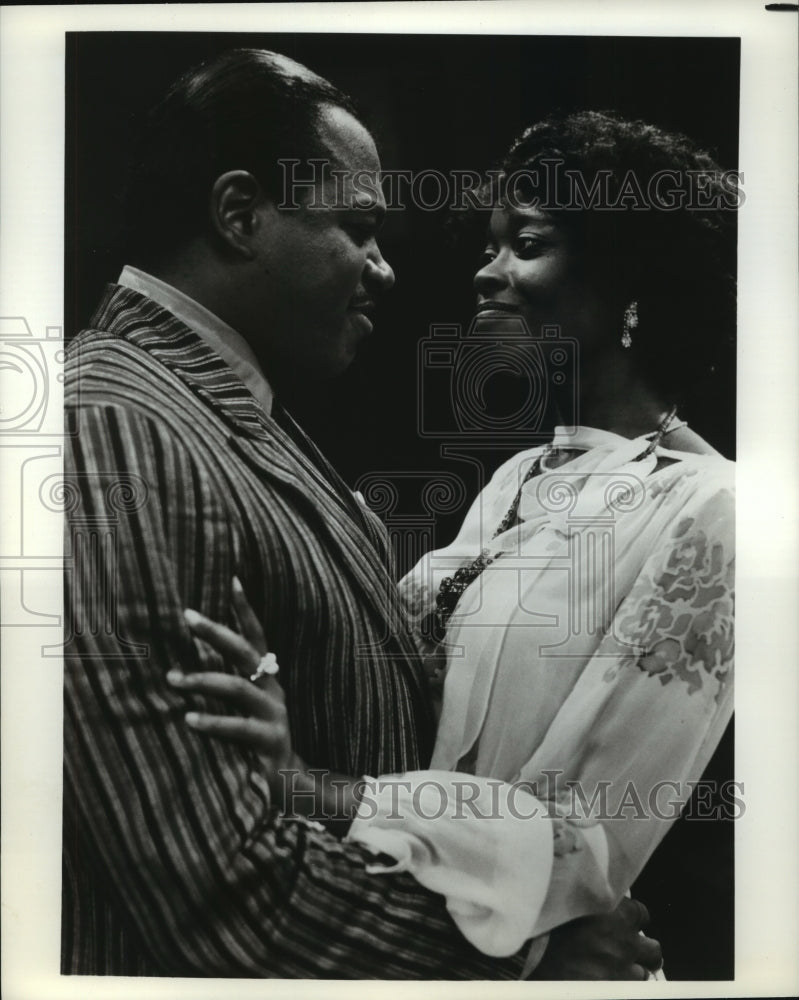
(452, 587)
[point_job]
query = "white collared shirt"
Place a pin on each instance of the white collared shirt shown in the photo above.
(228, 344)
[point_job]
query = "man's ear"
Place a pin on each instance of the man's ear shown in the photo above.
(235, 199)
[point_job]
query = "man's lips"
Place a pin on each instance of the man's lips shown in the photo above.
(362, 312)
(496, 306)
(365, 306)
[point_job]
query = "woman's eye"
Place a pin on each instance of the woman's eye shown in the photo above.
(527, 247)
(486, 256)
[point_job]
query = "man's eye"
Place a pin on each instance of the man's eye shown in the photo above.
(361, 232)
(486, 256)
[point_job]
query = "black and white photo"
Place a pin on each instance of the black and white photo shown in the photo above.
(405, 384)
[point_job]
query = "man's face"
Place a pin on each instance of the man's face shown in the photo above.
(320, 266)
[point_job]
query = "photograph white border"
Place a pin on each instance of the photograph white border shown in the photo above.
(767, 684)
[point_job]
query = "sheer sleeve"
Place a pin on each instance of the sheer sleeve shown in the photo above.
(627, 746)
(641, 723)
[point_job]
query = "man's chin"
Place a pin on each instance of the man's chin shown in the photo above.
(342, 363)
(349, 344)
(329, 368)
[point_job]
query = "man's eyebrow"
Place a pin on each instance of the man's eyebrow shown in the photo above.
(375, 208)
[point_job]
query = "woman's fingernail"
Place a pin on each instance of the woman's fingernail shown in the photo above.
(174, 677)
(237, 587)
(192, 617)
(192, 718)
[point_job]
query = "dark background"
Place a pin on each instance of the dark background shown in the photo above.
(444, 103)
(436, 102)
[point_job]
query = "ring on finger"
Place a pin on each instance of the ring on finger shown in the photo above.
(267, 667)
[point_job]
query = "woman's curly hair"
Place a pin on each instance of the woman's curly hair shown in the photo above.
(677, 262)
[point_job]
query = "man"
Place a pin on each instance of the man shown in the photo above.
(185, 471)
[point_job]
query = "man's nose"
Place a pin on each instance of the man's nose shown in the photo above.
(491, 277)
(378, 274)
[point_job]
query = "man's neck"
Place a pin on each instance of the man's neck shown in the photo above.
(192, 277)
(197, 313)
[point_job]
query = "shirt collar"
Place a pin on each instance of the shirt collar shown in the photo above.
(585, 437)
(228, 344)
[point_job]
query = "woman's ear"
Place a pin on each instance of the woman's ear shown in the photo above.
(233, 209)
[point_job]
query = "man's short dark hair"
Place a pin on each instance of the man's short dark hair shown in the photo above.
(244, 110)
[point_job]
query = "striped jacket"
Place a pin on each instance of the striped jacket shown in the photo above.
(174, 863)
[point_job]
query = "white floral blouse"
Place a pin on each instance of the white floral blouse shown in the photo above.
(592, 658)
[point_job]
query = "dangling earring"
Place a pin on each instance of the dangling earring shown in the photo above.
(630, 323)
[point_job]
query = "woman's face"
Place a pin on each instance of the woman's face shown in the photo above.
(531, 269)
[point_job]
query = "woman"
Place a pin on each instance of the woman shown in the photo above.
(583, 614)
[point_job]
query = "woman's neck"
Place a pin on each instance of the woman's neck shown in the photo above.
(617, 400)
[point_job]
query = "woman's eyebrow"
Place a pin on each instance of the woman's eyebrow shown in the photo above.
(515, 220)
(519, 217)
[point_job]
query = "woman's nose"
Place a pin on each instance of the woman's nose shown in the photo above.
(378, 273)
(491, 277)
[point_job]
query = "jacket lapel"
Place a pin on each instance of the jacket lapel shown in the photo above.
(284, 457)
